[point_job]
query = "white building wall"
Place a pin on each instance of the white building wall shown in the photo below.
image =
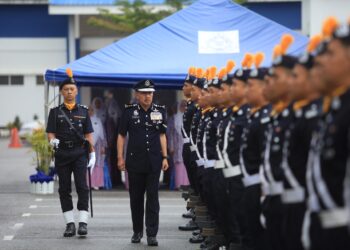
(22, 100)
(314, 12)
(28, 57)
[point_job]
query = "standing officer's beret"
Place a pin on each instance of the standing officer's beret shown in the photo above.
(69, 79)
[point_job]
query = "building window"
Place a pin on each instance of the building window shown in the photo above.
(39, 80)
(17, 80)
(4, 80)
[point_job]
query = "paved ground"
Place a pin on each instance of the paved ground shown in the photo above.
(35, 222)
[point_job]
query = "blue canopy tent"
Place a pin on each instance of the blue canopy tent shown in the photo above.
(208, 32)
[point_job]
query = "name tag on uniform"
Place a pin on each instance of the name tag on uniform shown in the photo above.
(156, 116)
(79, 117)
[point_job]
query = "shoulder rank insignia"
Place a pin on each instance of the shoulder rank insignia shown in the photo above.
(83, 106)
(130, 105)
(159, 106)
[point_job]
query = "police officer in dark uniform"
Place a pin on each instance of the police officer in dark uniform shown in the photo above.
(146, 156)
(278, 95)
(186, 127)
(222, 201)
(195, 93)
(253, 143)
(306, 112)
(329, 152)
(70, 131)
(231, 148)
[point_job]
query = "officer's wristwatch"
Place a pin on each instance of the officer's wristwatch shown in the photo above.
(165, 157)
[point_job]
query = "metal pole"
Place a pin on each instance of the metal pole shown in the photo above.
(46, 100)
(90, 192)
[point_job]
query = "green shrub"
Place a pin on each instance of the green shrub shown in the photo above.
(42, 149)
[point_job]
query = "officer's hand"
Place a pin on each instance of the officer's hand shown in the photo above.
(165, 164)
(54, 142)
(121, 164)
(92, 160)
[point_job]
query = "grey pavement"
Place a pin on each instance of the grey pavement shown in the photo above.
(34, 222)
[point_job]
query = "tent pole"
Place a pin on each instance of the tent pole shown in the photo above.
(46, 100)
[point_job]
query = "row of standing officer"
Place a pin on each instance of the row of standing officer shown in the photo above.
(266, 149)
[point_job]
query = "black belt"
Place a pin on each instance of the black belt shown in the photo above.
(69, 144)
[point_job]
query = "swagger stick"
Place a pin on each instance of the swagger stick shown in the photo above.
(90, 192)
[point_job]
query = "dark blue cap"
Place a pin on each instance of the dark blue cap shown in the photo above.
(199, 82)
(242, 74)
(306, 60)
(285, 61)
(145, 86)
(258, 73)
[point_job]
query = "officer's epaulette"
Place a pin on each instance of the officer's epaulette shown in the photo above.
(83, 106)
(159, 106)
(130, 105)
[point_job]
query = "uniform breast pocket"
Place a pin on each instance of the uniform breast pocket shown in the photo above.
(135, 121)
(79, 124)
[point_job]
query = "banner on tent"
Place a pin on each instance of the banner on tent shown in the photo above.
(218, 42)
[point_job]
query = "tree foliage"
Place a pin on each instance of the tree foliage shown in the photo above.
(135, 15)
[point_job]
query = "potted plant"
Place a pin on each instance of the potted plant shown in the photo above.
(42, 182)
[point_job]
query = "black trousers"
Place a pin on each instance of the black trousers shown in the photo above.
(253, 238)
(235, 190)
(199, 182)
(325, 239)
(189, 159)
(272, 209)
(186, 156)
(139, 183)
(208, 191)
(79, 169)
(225, 219)
(293, 218)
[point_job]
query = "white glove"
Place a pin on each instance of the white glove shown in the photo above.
(54, 142)
(92, 160)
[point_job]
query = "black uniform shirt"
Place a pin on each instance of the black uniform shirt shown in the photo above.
(187, 117)
(195, 122)
(79, 117)
(253, 139)
(239, 121)
(144, 129)
(299, 138)
(335, 146)
(226, 116)
(210, 134)
(205, 118)
(277, 128)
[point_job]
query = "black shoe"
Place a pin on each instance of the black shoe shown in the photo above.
(136, 238)
(190, 226)
(152, 241)
(189, 214)
(213, 246)
(70, 230)
(82, 230)
(197, 239)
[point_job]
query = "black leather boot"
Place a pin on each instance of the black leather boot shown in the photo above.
(136, 238)
(152, 241)
(70, 230)
(82, 230)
